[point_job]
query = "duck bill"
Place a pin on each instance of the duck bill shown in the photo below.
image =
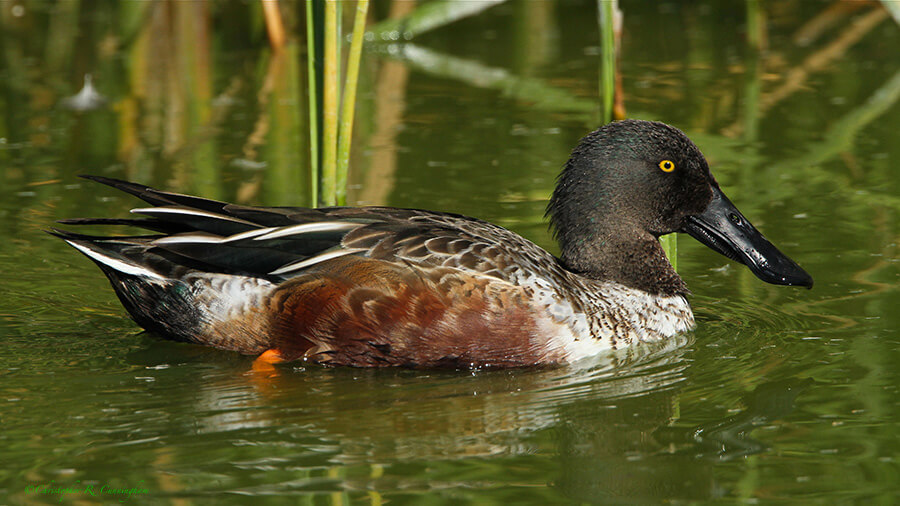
(724, 229)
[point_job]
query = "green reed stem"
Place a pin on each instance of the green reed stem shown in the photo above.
(349, 101)
(313, 104)
(669, 244)
(339, 31)
(606, 13)
(330, 105)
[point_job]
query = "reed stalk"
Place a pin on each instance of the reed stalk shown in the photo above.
(330, 105)
(349, 101)
(274, 24)
(606, 12)
(669, 244)
(314, 104)
(330, 154)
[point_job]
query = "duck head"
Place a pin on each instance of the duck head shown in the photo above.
(629, 182)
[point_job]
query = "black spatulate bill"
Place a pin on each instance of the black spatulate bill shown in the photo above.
(724, 229)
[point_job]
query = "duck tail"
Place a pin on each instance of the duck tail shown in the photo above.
(156, 299)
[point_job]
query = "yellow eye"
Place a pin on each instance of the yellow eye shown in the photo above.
(666, 166)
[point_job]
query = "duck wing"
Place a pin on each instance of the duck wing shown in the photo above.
(278, 243)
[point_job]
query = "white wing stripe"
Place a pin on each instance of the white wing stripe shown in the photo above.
(189, 238)
(204, 238)
(303, 228)
(316, 259)
(189, 212)
(248, 234)
(119, 265)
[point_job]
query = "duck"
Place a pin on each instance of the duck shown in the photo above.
(384, 286)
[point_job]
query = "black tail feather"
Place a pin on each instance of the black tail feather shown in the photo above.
(157, 197)
(145, 223)
(75, 236)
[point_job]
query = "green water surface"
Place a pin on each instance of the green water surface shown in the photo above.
(781, 395)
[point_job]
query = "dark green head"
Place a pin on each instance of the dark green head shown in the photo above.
(630, 182)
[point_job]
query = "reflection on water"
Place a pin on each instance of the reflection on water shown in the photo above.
(591, 447)
(206, 416)
(180, 409)
(767, 403)
(480, 413)
(779, 396)
(730, 438)
(605, 448)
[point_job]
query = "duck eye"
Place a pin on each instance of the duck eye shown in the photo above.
(666, 166)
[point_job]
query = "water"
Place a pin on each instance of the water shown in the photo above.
(781, 395)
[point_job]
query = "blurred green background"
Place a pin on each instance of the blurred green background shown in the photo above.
(781, 395)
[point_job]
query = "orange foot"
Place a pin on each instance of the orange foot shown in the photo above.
(265, 363)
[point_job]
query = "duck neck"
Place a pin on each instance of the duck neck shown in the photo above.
(623, 254)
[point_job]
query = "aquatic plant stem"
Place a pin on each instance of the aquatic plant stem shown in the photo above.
(274, 24)
(606, 18)
(669, 244)
(348, 103)
(313, 105)
(330, 105)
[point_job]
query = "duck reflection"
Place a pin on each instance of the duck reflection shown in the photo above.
(602, 432)
(631, 454)
(475, 409)
(730, 439)
(608, 453)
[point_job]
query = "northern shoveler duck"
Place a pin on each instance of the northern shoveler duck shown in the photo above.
(380, 286)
